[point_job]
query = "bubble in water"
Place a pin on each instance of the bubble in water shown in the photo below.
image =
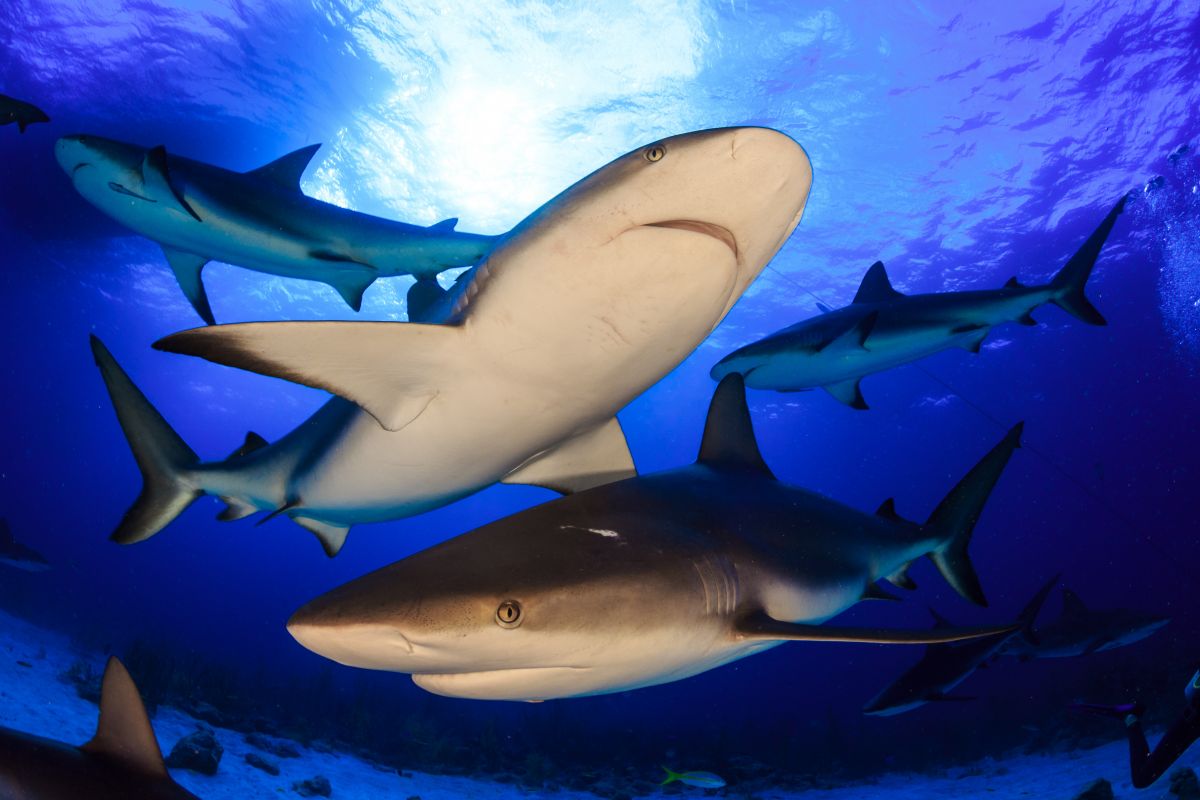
(1169, 214)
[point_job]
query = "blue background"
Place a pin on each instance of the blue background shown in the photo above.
(962, 147)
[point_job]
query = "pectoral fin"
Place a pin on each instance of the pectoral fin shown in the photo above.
(187, 268)
(761, 626)
(848, 392)
(331, 537)
(593, 458)
(391, 370)
(156, 177)
(351, 286)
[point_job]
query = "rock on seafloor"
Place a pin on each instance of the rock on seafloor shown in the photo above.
(1184, 784)
(259, 762)
(199, 751)
(316, 786)
(1098, 789)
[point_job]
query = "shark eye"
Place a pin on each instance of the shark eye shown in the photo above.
(508, 615)
(655, 152)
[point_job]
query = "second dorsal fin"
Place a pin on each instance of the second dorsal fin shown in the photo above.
(286, 170)
(875, 286)
(728, 432)
(124, 731)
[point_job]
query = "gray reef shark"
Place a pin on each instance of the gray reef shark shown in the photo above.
(945, 666)
(122, 761)
(645, 580)
(259, 220)
(17, 555)
(1081, 631)
(589, 301)
(883, 328)
(18, 111)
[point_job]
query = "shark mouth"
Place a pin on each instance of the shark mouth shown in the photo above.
(709, 229)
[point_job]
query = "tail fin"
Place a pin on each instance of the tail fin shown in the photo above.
(954, 519)
(1071, 279)
(671, 776)
(161, 455)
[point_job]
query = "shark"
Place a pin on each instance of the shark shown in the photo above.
(121, 761)
(260, 220)
(944, 666)
(18, 111)
(589, 301)
(883, 328)
(1081, 631)
(646, 580)
(17, 555)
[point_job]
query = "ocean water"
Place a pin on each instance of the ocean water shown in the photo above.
(961, 145)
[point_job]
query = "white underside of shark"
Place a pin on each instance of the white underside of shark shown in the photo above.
(586, 303)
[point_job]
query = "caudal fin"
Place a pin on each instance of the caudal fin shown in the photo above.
(953, 521)
(1071, 279)
(161, 455)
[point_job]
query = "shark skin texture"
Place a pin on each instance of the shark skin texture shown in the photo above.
(258, 220)
(588, 302)
(883, 328)
(122, 761)
(646, 580)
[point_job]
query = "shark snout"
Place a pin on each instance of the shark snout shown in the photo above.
(369, 645)
(72, 152)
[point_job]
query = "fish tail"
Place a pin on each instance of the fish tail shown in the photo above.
(671, 776)
(953, 521)
(161, 455)
(1070, 281)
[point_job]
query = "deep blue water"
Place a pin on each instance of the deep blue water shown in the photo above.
(960, 146)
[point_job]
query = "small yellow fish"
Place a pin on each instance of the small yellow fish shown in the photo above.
(702, 780)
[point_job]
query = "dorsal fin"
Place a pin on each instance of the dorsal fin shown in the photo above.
(887, 510)
(728, 432)
(1071, 603)
(445, 226)
(875, 286)
(286, 170)
(253, 442)
(124, 731)
(1013, 283)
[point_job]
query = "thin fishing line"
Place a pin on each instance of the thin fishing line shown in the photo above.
(1049, 461)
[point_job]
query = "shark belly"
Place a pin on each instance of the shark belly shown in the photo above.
(340, 466)
(615, 665)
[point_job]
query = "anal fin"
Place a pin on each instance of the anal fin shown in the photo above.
(901, 578)
(236, 509)
(331, 537)
(592, 458)
(187, 268)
